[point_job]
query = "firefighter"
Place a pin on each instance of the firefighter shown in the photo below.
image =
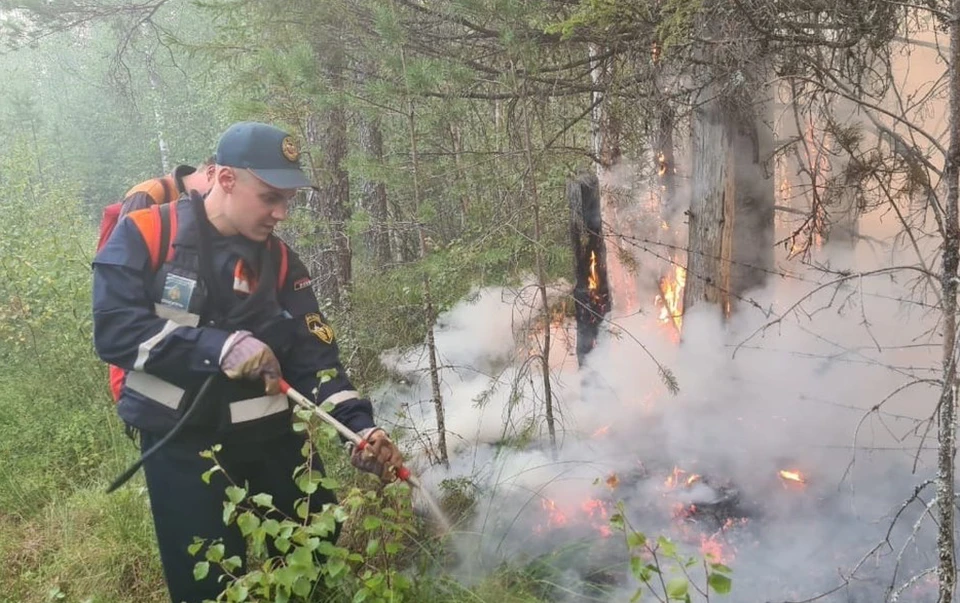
(183, 180)
(201, 287)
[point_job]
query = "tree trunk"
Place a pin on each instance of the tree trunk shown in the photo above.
(156, 95)
(711, 214)
(429, 311)
(946, 545)
(753, 230)
(373, 193)
(605, 128)
(591, 293)
(541, 278)
(327, 137)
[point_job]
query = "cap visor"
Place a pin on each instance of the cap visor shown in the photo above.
(292, 178)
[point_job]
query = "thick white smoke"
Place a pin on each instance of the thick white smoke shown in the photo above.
(754, 398)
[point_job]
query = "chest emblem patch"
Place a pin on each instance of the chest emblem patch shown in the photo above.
(177, 291)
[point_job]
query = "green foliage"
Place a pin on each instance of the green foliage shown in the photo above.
(666, 573)
(307, 559)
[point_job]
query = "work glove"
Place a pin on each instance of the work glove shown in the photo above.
(246, 357)
(380, 456)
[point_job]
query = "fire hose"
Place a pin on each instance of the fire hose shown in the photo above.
(302, 401)
(402, 472)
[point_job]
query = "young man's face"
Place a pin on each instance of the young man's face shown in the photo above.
(253, 208)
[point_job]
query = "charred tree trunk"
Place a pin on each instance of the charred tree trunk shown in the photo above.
(606, 131)
(711, 214)
(373, 193)
(591, 294)
(327, 137)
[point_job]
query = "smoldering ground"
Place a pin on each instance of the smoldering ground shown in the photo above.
(757, 396)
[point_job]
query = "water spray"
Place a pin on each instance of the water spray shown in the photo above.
(402, 472)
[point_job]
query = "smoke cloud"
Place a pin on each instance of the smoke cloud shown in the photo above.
(757, 395)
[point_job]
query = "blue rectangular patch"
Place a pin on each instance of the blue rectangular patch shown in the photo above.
(177, 291)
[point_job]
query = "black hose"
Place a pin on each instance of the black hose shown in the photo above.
(132, 469)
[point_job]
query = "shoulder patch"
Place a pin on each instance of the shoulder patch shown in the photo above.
(302, 283)
(320, 329)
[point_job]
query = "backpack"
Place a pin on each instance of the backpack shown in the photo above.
(164, 193)
(159, 227)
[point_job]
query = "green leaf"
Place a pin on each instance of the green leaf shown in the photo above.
(200, 570)
(195, 547)
(248, 522)
(667, 547)
(235, 494)
(205, 476)
(719, 567)
(239, 592)
(231, 563)
(263, 500)
(373, 545)
(361, 595)
(228, 510)
(335, 566)
(301, 556)
(271, 527)
(282, 544)
(720, 583)
(371, 523)
(215, 552)
(302, 587)
(299, 427)
(677, 588)
(636, 540)
(616, 521)
(303, 509)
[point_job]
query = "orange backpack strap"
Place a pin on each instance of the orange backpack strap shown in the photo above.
(158, 226)
(158, 189)
(284, 265)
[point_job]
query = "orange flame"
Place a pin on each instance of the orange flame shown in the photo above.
(671, 302)
(676, 477)
(593, 281)
(661, 163)
(793, 476)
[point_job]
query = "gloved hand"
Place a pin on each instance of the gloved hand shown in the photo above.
(380, 457)
(246, 357)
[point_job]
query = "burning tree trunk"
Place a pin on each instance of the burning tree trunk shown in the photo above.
(946, 570)
(606, 134)
(591, 293)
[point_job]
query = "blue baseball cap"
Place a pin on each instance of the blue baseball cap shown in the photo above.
(269, 152)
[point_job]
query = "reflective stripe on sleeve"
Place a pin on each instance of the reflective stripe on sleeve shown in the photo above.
(181, 317)
(155, 388)
(344, 396)
(257, 408)
(147, 346)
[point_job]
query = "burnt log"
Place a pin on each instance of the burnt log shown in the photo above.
(591, 294)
